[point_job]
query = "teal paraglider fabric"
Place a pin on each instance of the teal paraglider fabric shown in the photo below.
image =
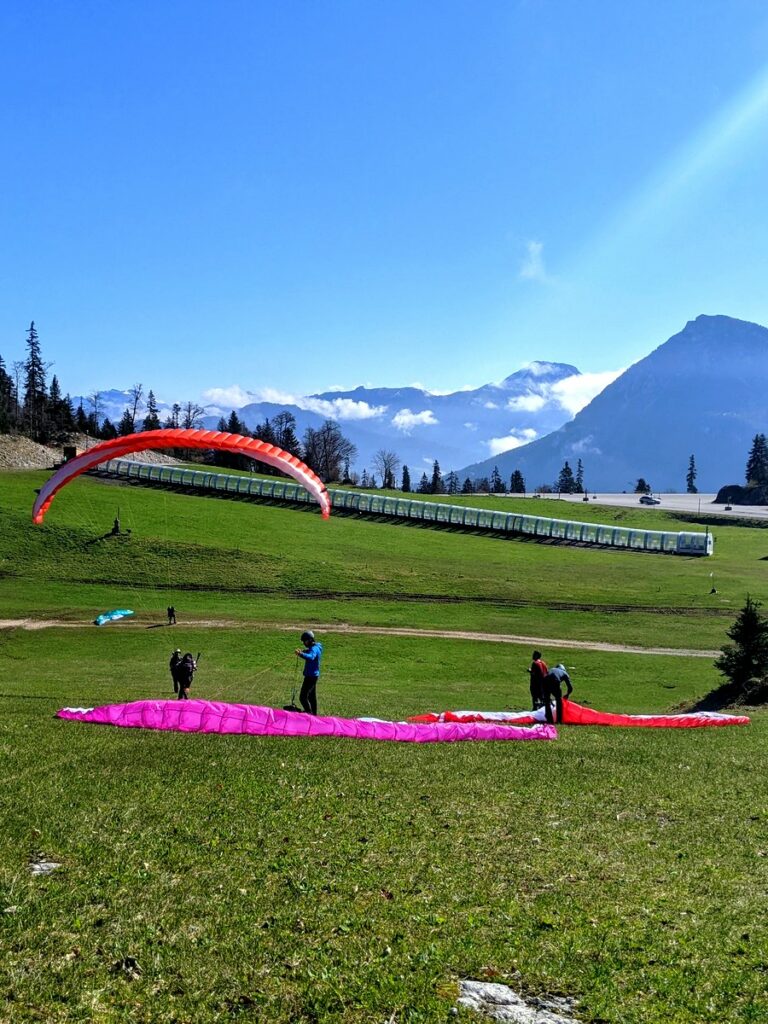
(117, 613)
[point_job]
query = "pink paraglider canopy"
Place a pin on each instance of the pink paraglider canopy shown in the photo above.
(252, 720)
(179, 438)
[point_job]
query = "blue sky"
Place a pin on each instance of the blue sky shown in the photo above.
(301, 195)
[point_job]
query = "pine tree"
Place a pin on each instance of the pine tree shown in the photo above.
(690, 477)
(642, 486)
(152, 418)
(579, 477)
(565, 482)
(497, 484)
(125, 426)
(757, 463)
(234, 424)
(406, 484)
(81, 420)
(436, 485)
(482, 486)
(35, 394)
(7, 400)
(467, 487)
(746, 659)
(284, 425)
(517, 483)
(108, 430)
(172, 420)
(424, 487)
(452, 483)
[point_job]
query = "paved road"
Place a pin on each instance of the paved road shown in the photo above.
(699, 504)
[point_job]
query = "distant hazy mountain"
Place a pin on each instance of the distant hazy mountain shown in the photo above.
(418, 425)
(704, 392)
(421, 426)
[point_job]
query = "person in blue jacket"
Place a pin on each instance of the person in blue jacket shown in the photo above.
(311, 656)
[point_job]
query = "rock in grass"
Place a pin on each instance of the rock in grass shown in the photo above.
(500, 1003)
(43, 867)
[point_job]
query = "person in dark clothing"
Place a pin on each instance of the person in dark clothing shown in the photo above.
(537, 671)
(311, 656)
(171, 615)
(551, 687)
(185, 670)
(173, 664)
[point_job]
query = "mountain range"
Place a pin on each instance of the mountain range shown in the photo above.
(419, 425)
(701, 393)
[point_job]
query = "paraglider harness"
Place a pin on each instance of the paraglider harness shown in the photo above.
(184, 671)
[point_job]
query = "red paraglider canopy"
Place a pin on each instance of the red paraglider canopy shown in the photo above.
(180, 438)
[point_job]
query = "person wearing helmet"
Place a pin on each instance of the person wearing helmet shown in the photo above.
(311, 656)
(173, 665)
(552, 690)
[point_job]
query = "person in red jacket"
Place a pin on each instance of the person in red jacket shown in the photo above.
(537, 672)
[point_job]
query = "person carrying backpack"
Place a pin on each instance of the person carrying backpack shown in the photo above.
(185, 670)
(173, 664)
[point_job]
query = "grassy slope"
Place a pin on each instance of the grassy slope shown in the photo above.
(257, 561)
(330, 880)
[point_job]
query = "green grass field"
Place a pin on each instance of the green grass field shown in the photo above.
(328, 880)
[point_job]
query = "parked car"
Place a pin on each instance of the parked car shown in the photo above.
(648, 499)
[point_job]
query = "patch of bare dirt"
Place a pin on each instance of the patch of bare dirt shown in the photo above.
(343, 627)
(17, 452)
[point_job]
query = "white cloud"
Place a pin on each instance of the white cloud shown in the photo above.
(515, 439)
(573, 393)
(335, 408)
(470, 426)
(532, 267)
(527, 403)
(490, 405)
(406, 420)
(233, 397)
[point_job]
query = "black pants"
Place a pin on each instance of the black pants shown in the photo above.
(553, 693)
(308, 695)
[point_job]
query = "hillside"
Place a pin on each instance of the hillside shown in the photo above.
(701, 393)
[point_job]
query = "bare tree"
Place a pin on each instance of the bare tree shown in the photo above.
(193, 415)
(326, 450)
(18, 369)
(387, 464)
(136, 393)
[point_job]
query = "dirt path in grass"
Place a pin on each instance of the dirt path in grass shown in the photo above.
(344, 627)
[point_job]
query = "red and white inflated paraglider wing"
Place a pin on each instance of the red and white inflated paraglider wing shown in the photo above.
(180, 438)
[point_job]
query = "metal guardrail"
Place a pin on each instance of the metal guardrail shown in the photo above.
(459, 516)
